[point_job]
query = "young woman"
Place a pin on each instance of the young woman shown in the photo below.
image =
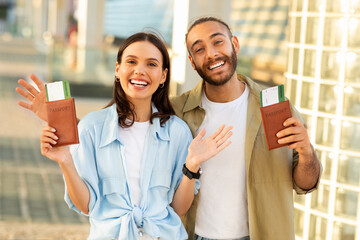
(126, 173)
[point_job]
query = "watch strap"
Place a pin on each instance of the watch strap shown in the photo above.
(191, 174)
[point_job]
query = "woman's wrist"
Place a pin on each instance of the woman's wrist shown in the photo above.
(192, 164)
(65, 161)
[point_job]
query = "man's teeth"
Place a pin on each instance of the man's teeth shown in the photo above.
(137, 82)
(219, 64)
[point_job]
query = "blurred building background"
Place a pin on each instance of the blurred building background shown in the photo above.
(313, 47)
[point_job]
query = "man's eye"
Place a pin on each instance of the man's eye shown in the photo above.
(199, 50)
(218, 42)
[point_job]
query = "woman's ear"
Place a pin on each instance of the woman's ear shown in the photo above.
(117, 67)
(164, 74)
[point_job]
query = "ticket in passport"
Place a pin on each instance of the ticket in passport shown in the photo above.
(272, 95)
(57, 91)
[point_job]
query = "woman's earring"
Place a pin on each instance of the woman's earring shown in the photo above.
(162, 85)
(117, 79)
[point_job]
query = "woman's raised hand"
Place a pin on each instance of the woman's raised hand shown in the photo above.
(37, 99)
(48, 146)
(202, 149)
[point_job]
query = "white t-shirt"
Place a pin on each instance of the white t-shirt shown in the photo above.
(133, 139)
(222, 210)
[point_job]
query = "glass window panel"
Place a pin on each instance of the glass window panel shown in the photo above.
(343, 231)
(333, 32)
(295, 61)
(299, 198)
(355, 6)
(353, 67)
(325, 131)
(320, 198)
(289, 65)
(351, 101)
(354, 36)
(299, 222)
(314, 5)
(346, 203)
(350, 135)
(328, 98)
(318, 226)
(326, 159)
(330, 66)
(333, 6)
(312, 30)
(309, 63)
(297, 29)
(291, 86)
(308, 125)
(348, 170)
(307, 95)
(299, 6)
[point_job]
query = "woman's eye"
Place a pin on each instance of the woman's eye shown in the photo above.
(152, 64)
(131, 61)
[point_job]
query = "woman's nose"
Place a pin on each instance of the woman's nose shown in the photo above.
(139, 69)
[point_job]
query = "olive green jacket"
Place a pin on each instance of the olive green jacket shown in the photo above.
(269, 174)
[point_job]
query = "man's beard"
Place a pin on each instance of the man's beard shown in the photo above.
(233, 63)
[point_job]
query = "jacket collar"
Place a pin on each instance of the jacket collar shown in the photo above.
(195, 95)
(194, 99)
(110, 129)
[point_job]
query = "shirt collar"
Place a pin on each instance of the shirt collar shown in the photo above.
(195, 95)
(110, 131)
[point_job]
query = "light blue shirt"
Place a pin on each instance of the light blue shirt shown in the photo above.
(99, 160)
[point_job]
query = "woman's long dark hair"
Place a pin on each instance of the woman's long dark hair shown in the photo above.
(160, 98)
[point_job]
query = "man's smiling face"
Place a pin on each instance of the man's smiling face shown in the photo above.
(213, 52)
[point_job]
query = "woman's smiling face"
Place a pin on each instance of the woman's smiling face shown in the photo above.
(141, 71)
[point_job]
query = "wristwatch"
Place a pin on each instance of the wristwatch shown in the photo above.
(191, 174)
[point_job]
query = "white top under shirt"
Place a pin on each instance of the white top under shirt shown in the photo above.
(133, 139)
(222, 210)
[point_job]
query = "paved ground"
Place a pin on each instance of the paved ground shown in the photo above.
(31, 186)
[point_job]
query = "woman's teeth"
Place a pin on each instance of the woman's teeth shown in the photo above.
(139, 83)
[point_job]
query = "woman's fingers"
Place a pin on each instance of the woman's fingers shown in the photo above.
(28, 87)
(24, 93)
(48, 135)
(24, 105)
(38, 82)
(223, 133)
(46, 146)
(48, 128)
(217, 132)
(45, 139)
(223, 146)
(222, 140)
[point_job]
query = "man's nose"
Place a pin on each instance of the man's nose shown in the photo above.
(211, 53)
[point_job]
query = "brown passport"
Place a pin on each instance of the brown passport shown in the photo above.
(62, 116)
(273, 117)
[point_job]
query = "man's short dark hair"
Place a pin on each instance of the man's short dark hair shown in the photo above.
(207, 19)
